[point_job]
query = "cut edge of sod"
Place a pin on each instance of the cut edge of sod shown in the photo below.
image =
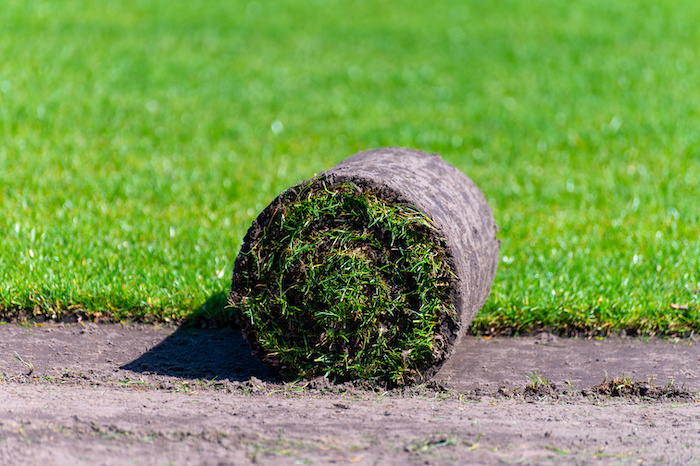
(346, 282)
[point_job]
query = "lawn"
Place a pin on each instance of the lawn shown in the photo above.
(139, 139)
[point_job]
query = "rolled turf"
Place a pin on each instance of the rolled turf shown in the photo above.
(373, 269)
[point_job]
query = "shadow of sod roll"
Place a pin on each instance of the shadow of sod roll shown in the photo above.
(373, 269)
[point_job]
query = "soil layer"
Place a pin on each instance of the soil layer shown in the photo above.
(111, 394)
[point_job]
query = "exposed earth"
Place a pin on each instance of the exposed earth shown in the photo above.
(138, 394)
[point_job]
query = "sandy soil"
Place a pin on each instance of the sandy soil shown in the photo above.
(116, 394)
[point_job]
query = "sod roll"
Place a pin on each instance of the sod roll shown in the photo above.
(373, 269)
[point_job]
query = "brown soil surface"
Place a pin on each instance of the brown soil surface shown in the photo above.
(116, 394)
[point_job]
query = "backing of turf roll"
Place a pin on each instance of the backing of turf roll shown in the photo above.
(373, 269)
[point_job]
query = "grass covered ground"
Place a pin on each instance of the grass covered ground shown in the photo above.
(139, 138)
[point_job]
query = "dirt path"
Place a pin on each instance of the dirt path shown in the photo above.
(111, 394)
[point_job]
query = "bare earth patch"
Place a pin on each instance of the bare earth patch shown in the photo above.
(111, 394)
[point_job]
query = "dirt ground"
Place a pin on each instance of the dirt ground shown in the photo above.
(136, 394)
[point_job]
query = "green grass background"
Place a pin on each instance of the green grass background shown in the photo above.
(139, 139)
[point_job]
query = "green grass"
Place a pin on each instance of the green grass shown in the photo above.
(341, 283)
(139, 139)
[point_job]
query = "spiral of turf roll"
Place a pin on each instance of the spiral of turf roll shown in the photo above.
(349, 275)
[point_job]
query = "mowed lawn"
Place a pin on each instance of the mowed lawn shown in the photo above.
(139, 139)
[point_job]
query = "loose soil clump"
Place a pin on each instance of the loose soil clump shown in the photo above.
(623, 387)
